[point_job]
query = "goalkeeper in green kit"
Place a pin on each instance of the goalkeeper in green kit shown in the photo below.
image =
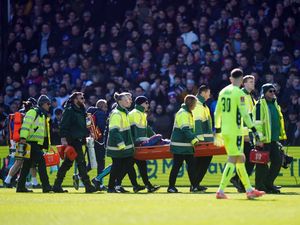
(230, 114)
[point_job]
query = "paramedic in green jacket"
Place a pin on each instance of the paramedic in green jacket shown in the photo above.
(183, 140)
(141, 131)
(120, 146)
(73, 132)
(203, 130)
(269, 123)
(36, 132)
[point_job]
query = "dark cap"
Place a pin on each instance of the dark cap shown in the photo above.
(266, 87)
(32, 100)
(140, 100)
(43, 99)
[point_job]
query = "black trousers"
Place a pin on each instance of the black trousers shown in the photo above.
(100, 157)
(201, 165)
(142, 166)
(177, 163)
(249, 165)
(120, 167)
(265, 175)
(36, 158)
(67, 164)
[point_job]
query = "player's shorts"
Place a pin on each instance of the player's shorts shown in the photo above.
(234, 145)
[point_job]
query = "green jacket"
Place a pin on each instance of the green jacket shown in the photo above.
(140, 129)
(35, 127)
(262, 120)
(73, 123)
(119, 141)
(203, 124)
(183, 137)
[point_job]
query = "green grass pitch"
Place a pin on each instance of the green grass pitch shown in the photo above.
(76, 207)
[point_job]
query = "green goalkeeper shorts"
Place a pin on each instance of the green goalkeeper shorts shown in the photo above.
(234, 145)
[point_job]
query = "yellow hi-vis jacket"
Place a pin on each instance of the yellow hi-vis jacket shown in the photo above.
(139, 124)
(119, 141)
(203, 123)
(183, 137)
(262, 121)
(35, 127)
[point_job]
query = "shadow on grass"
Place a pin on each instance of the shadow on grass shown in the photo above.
(262, 199)
(288, 193)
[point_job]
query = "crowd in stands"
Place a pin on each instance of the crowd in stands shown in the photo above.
(163, 49)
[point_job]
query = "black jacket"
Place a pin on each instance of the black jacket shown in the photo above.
(73, 124)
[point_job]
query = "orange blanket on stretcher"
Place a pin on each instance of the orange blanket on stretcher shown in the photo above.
(163, 151)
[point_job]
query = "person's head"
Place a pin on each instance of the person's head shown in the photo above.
(77, 98)
(190, 102)
(293, 115)
(228, 64)
(102, 104)
(249, 83)
(142, 101)
(45, 28)
(92, 100)
(44, 102)
(190, 84)
(138, 91)
(129, 96)
(185, 27)
(58, 113)
(159, 110)
(63, 90)
(204, 91)
(268, 91)
(75, 30)
(236, 77)
(123, 99)
(32, 90)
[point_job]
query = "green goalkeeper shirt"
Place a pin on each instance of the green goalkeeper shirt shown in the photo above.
(231, 111)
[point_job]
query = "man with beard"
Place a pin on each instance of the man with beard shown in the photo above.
(73, 133)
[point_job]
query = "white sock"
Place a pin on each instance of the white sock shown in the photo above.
(8, 179)
(34, 181)
(80, 184)
(221, 191)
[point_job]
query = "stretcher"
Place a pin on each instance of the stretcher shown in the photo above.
(163, 151)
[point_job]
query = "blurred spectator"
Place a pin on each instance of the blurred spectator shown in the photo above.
(162, 123)
(55, 126)
(62, 96)
(291, 126)
(153, 48)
